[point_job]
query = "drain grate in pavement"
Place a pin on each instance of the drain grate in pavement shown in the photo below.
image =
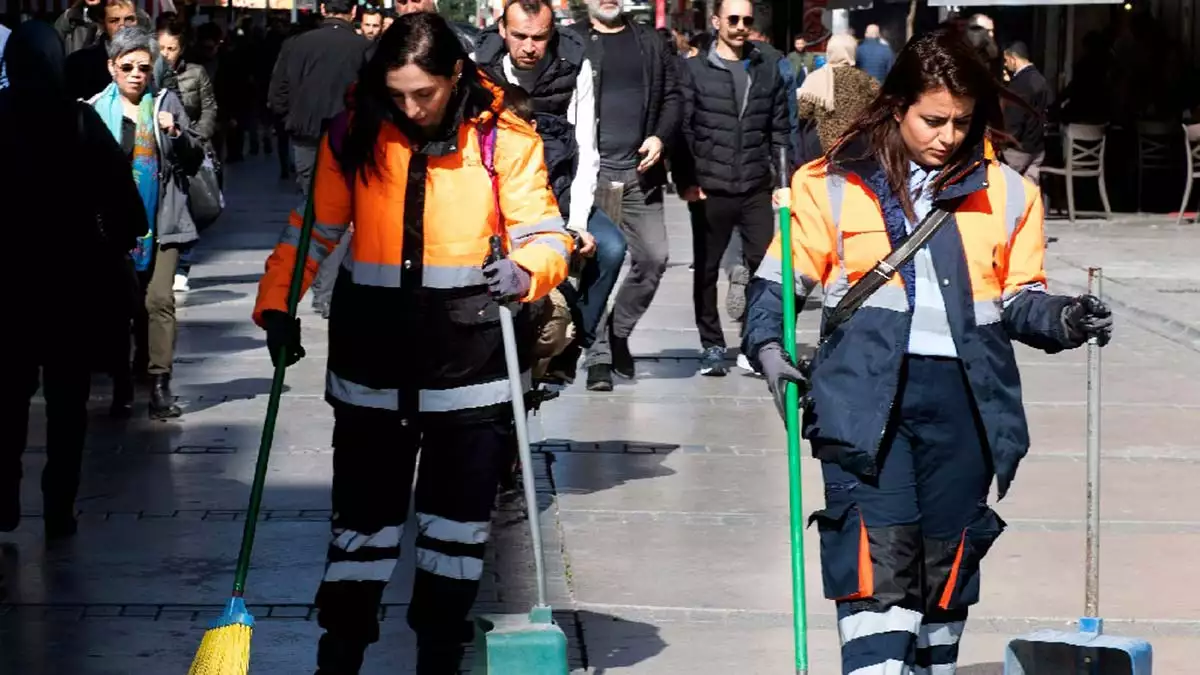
(606, 447)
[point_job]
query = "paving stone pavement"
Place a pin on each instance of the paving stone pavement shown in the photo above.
(664, 502)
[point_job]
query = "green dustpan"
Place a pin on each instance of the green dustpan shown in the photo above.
(520, 644)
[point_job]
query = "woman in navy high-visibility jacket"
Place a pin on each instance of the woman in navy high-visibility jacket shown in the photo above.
(915, 402)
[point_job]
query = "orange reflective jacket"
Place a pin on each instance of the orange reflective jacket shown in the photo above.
(412, 328)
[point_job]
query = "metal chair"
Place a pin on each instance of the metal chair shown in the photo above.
(1083, 157)
(1191, 145)
(1154, 141)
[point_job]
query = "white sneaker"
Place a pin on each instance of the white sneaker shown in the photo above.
(744, 364)
(181, 283)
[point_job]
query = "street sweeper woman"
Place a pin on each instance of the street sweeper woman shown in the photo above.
(914, 402)
(428, 164)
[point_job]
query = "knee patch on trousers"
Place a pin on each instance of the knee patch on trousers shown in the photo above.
(952, 567)
(858, 562)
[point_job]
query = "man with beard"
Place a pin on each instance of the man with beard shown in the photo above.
(638, 112)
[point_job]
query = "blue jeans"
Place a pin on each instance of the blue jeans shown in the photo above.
(187, 254)
(599, 275)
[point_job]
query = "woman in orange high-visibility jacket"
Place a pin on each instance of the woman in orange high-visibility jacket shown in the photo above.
(915, 401)
(416, 358)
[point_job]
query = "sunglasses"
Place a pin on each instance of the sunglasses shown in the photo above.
(746, 21)
(144, 68)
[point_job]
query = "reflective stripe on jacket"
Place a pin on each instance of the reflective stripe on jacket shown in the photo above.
(412, 328)
(989, 258)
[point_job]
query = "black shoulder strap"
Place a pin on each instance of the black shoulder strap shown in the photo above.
(884, 269)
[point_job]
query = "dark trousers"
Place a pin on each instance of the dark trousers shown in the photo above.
(599, 275)
(645, 231)
(284, 146)
(924, 520)
(374, 458)
(65, 386)
(751, 215)
(304, 152)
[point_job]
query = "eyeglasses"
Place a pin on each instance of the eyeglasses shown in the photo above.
(746, 21)
(144, 68)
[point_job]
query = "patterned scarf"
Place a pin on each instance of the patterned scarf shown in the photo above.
(145, 160)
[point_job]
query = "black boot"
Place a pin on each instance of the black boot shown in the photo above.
(10, 504)
(600, 377)
(622, 358)
(122, 397)
(439, 659)
(60, 522)
(336, 656)
(562, 368)
(162, 401)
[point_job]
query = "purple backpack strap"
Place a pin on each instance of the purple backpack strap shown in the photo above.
(487, 148)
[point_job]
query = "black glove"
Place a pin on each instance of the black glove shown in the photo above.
(1087, 317)
(506, 279)
(282, 331)
(779, 369)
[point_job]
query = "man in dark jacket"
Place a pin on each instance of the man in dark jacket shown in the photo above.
(526, 50)
(873, 57)
(637, 102)
(308, 88)
(312, 74)
(1027, 126)
(735, 123)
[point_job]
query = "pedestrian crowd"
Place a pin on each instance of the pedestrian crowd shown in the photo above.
(448, 169)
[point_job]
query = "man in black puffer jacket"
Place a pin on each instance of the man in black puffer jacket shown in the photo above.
(735, 122)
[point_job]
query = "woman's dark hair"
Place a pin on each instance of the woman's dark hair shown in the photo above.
(701, 41)
(942, 59)
(422, 39)
(174, 25)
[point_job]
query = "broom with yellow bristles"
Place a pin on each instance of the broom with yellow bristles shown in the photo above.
(225, 648)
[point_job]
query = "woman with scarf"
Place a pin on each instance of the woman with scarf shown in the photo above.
(832, 97)
(61, 331)
(153, 130)
(914, 400)
(429, 164)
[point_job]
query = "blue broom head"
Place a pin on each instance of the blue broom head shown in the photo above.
(235, 613)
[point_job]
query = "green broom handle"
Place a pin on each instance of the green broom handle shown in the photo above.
(792, 422)
(268, 432)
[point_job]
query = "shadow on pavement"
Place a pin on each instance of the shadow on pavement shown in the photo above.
(194, 398)
(586, 468)
(201, 283)
(206, 296)
(626, 643)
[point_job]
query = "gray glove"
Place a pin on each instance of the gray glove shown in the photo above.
(1087, 317)
(506, 279)
(779, 369)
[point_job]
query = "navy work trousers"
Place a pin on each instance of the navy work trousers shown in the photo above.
(374, 460)
(900, 551)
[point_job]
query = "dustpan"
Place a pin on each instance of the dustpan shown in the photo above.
(1088, 651)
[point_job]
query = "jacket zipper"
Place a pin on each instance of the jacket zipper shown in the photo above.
(903, 345)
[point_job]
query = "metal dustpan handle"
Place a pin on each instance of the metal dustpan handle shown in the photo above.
(1091, 606)
(520, 422)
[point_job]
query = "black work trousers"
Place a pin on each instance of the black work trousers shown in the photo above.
(374, 459)
(66, 385)
(751, 215)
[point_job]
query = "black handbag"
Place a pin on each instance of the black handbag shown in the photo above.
(205, 200)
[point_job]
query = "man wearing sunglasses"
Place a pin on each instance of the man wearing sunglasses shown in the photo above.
(735, 123)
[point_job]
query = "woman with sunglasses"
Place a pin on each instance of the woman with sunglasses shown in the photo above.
(429, 164)
(915, 402)
(153, 130)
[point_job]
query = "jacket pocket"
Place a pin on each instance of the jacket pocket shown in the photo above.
(473, 310)
(962, 587)
(846, 569)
